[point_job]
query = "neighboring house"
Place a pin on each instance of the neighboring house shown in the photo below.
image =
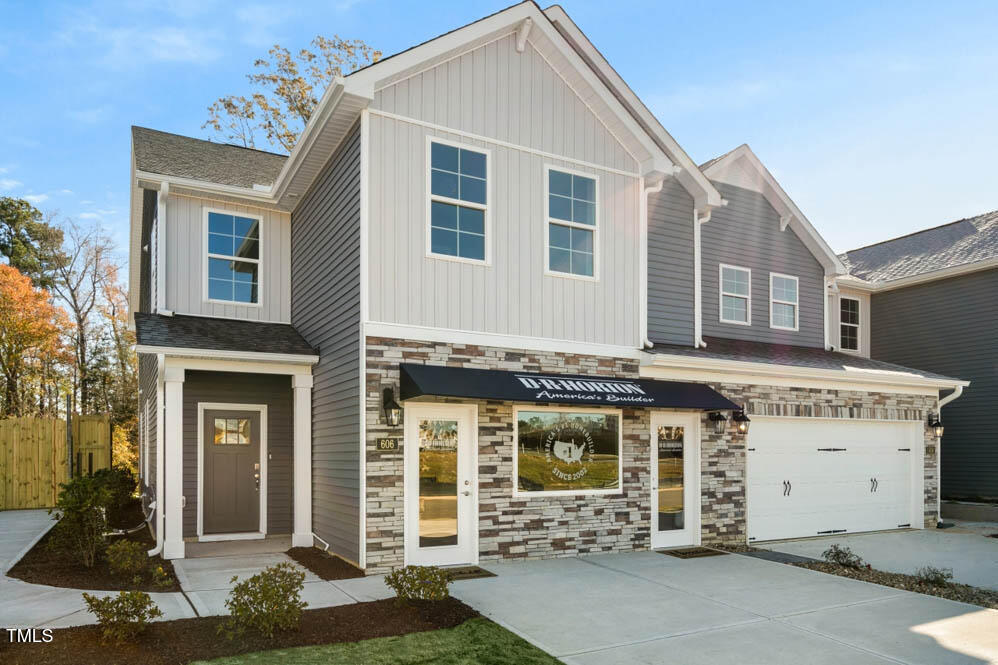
(488, 308)
(931, 300)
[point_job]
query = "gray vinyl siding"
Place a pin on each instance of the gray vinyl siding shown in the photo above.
(949, 327)
(325, 309)
(274, 390)
(148, 403)
(145, 262)
(746, 233)
(670, 265)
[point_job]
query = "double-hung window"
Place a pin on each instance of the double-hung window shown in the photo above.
(849, 324)
(736, 295)
(572, 223)
(233, 259)
(458, 202)
(783, 294)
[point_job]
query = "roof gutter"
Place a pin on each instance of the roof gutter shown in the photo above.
(852, 282)
(216, 354)
(212, 187)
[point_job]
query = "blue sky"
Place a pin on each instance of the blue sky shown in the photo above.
(878, 118)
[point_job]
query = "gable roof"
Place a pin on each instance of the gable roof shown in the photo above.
(958, 244)
(741, 167)
(169, 154)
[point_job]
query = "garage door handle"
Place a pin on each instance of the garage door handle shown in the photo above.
(784, 488)
(787, 487)
(874, 484)
(790, 487)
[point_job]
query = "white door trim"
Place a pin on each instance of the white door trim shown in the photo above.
(226, 406)
(690, 533)
(467, 445)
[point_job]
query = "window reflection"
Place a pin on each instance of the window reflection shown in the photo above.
(229, 431)
(437, 483)
(670, 478)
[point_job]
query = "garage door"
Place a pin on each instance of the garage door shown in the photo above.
(812, 477)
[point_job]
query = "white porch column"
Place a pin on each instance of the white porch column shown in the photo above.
(173, 464)
(302, 386)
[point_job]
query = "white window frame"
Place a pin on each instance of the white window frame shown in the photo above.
(568, 409)
(431, 197)
(857, 326)
(722, 293)
(548, 221)
(205, 256)
(774, 301)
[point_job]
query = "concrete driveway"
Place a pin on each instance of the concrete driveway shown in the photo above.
(972, 555)
(645, 607)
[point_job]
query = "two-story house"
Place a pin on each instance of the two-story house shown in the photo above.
(489, 308)
(930, 299)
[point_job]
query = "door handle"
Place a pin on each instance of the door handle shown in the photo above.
(466, 492)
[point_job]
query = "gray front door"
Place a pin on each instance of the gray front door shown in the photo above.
(231, 471)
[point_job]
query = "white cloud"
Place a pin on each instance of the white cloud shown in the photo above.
(65, 191)
(89, 215)
(36, 198)
(86, 202)
(107, 211)
(8, 184)
(86, 116)
(138, 45)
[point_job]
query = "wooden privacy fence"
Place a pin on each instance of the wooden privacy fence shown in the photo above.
(34, 457)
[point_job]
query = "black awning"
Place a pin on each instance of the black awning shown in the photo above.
(436, 381)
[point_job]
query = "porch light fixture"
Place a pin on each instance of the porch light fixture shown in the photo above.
(720, 421)
(393, 412)
(741, 421)
(936, 424)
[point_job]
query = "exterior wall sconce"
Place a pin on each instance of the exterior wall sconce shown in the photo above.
(741, 421)
(393, 412)
(720, 421)
(936, 424)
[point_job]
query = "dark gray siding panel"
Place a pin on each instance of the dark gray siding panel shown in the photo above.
(325, 309)
(147, 406)
(274, 390)
(670, 265)
(149, 203)
(949, 327)
(746, 233)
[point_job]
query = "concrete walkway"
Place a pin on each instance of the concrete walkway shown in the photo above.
(20, 530)
(972, 555)
(645, 607)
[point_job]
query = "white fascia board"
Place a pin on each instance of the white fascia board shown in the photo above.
(245, 193)
(849, 375)
(945, 273)
(781, 201)
(248, 356)
(695, 182)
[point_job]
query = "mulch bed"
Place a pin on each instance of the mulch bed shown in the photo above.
(186, 640)
(963, 593)
(324, 565)
(44, 564)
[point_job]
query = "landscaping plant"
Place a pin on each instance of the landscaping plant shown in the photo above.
(934, 576)
(127, 559)
(267, 602)
(123, 617)
(419, 583)
(160, 579)
(842, 556)
(82, 521)
(120, 484)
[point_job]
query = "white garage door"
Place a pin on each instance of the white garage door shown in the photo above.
(811, 477)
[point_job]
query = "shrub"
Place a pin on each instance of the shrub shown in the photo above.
(160, 579)
(127, 558)
(419, 583)
(123, 617)
(267, 602)
(843, 556)
(82, 522)
(120, 484)
(934, 576)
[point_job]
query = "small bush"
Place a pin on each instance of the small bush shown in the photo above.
(419, 583)
(160, 579)
(82, 522)
(120, 484)
(934, 576)
(127, 558)
(267, 602)
(843, 556)
(123, 617)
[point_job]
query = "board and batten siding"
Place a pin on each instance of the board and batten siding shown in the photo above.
(185, 262)
(496, 92)
(948, 327)
(670, 265)
(510, 295)
(746, 233)
(274, 390)
(325, 309)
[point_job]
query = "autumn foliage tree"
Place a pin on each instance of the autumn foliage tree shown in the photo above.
(290, 86)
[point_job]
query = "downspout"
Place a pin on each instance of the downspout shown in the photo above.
(648, 191)
(156, 507)
(698, 219)
(940, 403)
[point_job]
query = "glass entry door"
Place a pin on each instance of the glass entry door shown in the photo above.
(440, 484)
(675, 480)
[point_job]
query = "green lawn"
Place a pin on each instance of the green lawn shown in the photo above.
(475, 642)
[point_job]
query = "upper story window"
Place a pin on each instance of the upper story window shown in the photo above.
(233, 257)
(783, 301)
(736, 295)
(458, 202)
(849, 324)
(572, 227)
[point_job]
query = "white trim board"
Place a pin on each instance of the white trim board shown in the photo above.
(217, 354)
(850, 282)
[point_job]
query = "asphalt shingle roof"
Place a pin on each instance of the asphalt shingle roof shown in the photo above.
(793, 356)
(197, 332)
(957, 243)
(220, 163)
